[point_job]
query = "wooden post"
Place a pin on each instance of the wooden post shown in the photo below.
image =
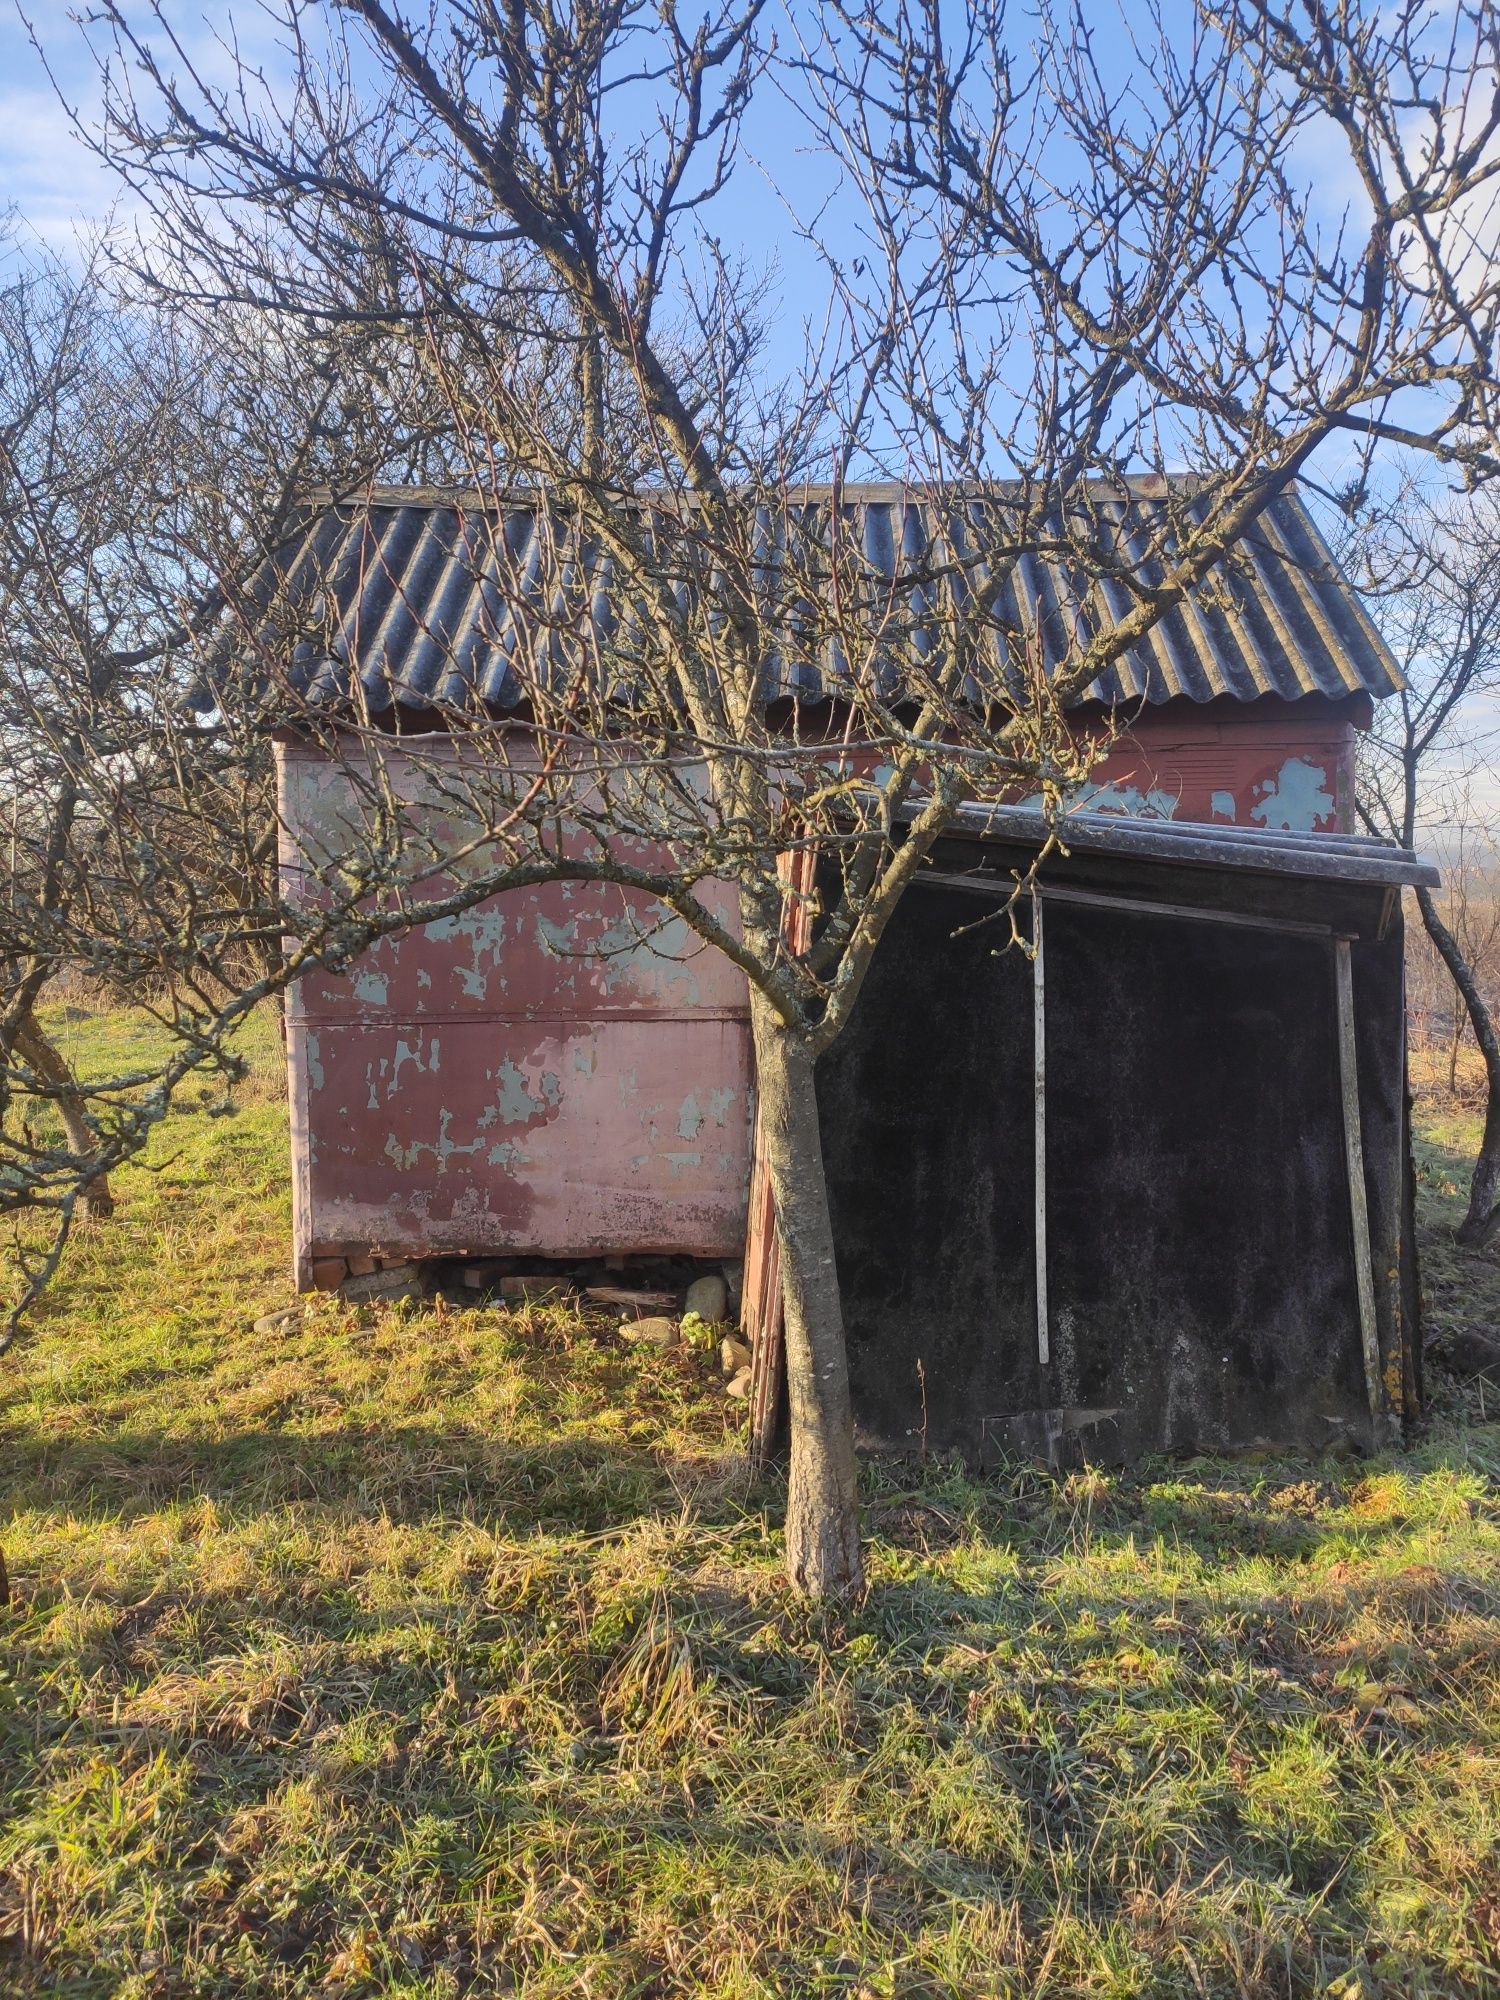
(1354, 1157)
(760, 1309)
(761, 1314)
(1039, 1041)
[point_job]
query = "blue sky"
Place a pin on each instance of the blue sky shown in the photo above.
(62, 193)
(46, 173)
(51, 178)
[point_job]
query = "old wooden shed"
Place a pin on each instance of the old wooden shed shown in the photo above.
(541, 1078)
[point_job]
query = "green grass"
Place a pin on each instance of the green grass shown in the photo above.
(437, 1654)
(1458, 1288)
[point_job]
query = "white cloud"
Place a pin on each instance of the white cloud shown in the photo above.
(1466, 238)
(63, 192)
(47, 174)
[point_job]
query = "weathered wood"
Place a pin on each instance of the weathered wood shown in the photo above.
(1127, 905)
(1141, 906)
(1039, 1037)
(1354, 1154)
(622, 1295)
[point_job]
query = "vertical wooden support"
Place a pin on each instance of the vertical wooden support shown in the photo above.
(1039, 1043)
(761, 1313)
(294, 1034)
(1354, 1156)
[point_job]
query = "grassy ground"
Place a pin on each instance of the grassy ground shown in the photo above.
(436, 1654)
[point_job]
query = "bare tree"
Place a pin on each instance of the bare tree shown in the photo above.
(97, 407)
(148, 465)
(1039, 288)
(1432, 564)
(1471, 915)
(96, 404)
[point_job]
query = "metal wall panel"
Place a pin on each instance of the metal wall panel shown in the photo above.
(554, 1070)
(1281, 772)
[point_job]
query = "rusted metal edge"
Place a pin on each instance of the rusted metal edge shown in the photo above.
(1332, 856)
(373, 1018)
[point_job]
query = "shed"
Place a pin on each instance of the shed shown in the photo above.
(546, 1078)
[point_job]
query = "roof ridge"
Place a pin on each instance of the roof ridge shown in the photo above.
(396, 493)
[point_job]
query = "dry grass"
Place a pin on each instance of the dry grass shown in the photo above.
(449, 1654)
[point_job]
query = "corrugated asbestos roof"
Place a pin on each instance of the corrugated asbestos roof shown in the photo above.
(434, 599)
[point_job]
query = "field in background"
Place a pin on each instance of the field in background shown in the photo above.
(437, 1653)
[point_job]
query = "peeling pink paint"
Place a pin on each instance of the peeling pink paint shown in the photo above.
(1289, 767)
(557, 1071)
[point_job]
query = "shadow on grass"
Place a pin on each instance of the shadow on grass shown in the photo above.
(428, 1472)
(407, 1475)
(1032, 1711)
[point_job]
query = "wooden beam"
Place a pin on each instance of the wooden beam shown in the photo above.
(1354, 1158)
(1128, 905)
(1141, 906)
(1039, 1045)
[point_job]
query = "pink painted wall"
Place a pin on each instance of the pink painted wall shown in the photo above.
(1280, 766)
(550, 1074)
(552, 1071)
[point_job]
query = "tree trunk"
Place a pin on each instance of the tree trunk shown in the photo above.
(822, 1511)
(47, 1060)
(1482, 1219)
